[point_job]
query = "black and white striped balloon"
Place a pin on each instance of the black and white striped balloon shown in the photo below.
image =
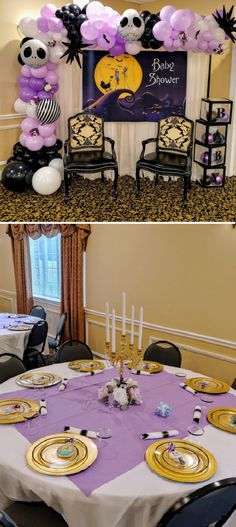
(48, 111)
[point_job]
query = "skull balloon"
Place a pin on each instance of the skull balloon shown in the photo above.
(33, 52)
(131, 26)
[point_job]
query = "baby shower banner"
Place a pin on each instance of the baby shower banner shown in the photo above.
(147, 87)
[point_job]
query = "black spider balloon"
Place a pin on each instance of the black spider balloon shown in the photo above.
(74, 49)
(227, 22)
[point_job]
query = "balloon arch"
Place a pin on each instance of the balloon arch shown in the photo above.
(61, 35)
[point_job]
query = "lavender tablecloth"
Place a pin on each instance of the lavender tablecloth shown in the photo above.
(78, 406)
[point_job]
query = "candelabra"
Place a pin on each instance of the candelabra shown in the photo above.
(125, 352)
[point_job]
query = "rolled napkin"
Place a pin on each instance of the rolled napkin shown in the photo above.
(197, 414)
(81, 431)
(187, 388)
(88, 373)
(63, 384)
(159, 435)
(141, 372)
(43, 407)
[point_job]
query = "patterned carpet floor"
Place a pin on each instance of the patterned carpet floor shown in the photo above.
(93, 201)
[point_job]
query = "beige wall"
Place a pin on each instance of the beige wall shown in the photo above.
(11, 11)
(183, 275)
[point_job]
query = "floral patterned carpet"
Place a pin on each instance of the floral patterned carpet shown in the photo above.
(94, 201)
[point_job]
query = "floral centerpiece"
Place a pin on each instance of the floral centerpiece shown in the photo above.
(122, 392)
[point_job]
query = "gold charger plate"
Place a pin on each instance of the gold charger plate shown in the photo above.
(42, 455)
(40, 379)
(86, 365)
(14, 410)
(207, 385)
(146, 365)
(19, 327)
(199, 464)
(222, 418)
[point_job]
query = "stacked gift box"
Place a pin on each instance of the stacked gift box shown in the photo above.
(211, 140)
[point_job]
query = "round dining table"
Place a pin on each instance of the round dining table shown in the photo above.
(119, 489)
(12, 338)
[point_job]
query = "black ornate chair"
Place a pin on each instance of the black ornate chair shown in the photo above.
(54, 342)
(85, 149)
(173, 152)
(38, 311)
(32, 514)
(208, 506)
(35, 345)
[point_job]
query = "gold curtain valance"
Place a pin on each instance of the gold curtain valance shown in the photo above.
(35, 230)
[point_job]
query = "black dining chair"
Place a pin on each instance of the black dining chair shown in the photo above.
(73, 350)
(208, 506)
(54, 342)
(38, 311)
(33, 514)
(164, 352)
(85, 151)
(172, 152)
(11, 366)
(233, 385)
(35, 345)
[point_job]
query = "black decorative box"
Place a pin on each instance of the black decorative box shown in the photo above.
(209, 155)
(216, 110)
(208, 134)
(213, 177)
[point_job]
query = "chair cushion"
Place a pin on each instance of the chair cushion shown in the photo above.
(52, 343)
(165, 158)
(88, 160)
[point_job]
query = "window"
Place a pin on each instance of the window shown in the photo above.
(45, 255)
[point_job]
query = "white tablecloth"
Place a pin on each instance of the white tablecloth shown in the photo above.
(136, 498)
(16, 341)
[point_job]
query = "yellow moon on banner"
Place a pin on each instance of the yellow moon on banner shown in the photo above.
(120, 72)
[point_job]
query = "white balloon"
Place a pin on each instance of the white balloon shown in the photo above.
(46, 180)
(20, 106)
(31, 110)
(28, 26)
(133, 48)
(57, 163)
(56, 53)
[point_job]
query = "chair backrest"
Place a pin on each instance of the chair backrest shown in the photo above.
(38, 311)
(11, 366)
(212, 503)
(164, 352)
(5, 521)
(73, 350)
(85, 132)
(60, 327)
(233, 385)
(38, 335)
(175, 134)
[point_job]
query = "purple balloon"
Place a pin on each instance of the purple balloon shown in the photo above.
(117, 49)
(42, 25)
(26, 70)
(219, 180)
(52, 66)
(36, 84)
(204, 158)
(27, 94)
(23, 81)
(48, 11)
(39, 73)
(119, 39)
(51, 77)
(182, 19)
(46, 130)
(50, 141)
(55, 25)
(44, 95)
(34, 142)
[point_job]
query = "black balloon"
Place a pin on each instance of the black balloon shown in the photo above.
(144, 14)
(14, 176)
(18, 148)
(84, 9)
(59, 144)
(59, 13)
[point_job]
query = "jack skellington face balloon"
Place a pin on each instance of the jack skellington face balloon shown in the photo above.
(131, 25)
(33, 52)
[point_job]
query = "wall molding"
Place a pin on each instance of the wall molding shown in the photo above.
(10, 116)
(9, 127)
(172, 331)
(181, 345)
(10, 296)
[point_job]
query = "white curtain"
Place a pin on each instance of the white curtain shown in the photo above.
(128, 136)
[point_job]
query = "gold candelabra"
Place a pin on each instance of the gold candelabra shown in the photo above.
(126, 352)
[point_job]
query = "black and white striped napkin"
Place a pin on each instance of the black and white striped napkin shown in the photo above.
(159, 435)
(81, 431)
(188, 388)
(141, 372)
(43, 407)
(63, 384)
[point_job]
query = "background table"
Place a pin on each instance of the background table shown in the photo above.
(16, 341)
(137, 497)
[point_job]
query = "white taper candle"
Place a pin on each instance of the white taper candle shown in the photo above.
(140, 331)
(123, 313)
(113, 332)
(107, 323)
(132, 326)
